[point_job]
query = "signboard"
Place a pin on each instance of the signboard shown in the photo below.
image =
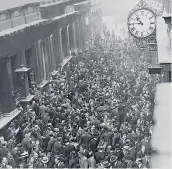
(152, 47)
(154, 70)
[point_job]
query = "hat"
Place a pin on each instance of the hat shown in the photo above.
(126, 147)
(106, 164)
(138, 160)
(24, 154)
(44, 159)
(127, 140)
(113, 158)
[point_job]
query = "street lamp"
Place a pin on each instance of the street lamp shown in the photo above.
(22, 72)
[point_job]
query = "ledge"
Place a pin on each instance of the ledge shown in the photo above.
(8, 117)
(65, 61)
(54, 73)
(167, 18)
(54, 3)
(19, 29)
(43, 84)
(28, 99)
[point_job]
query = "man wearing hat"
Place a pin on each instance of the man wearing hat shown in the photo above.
(141, 153)
(26, 143)
(91, 160)
(119, 152)
(93, 144)
(44, 161)
(146, 158)
(128, 161)
(146, 141)
(57, 146)
(139, 163)
(105, 164)
(73, 161)
(68, 149)
(85, 139)
(99, 155)
(115, 163)
(83, 161)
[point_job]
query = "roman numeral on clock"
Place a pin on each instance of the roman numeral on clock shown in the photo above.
(141, 34)
(152, 22)
(151, 17)
(151, 28)
(142, 12)
(137, 33)
(132, 29)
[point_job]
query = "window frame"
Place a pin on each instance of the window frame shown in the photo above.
(2, 14)
(19, 13)
(30, 11)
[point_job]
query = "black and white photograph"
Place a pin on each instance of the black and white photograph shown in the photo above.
(85, 84)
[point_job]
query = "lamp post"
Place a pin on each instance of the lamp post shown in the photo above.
(22, 72)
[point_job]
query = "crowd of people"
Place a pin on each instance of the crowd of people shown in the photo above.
(95, 113)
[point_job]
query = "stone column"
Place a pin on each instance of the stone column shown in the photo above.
(60, 42)
(74, 36)
(6, 100)
(23, 58)
(68, 43)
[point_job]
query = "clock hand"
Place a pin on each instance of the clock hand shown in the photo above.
(138, 19)
(135, 23)
(138, 23)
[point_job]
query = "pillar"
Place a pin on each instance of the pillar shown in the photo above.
(78, 33)
(23, 58)
(74, 36)
(6, 98)
(43, 52)
(38, 71)
(61, 47)
(65, 45)
(68, 42)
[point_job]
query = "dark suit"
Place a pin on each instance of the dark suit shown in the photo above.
(93, 145)
(141, 166)
(117, 164)
(85, 139)
(140, 154)
(145, 161)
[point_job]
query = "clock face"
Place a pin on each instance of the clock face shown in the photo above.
(141, 23)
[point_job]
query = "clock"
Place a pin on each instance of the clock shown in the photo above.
(141, 23)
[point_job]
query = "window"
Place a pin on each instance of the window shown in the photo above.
(30, 9)
(3, 17)
(17, 13)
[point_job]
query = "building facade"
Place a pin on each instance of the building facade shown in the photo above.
(161, 138)
(40, 36)
(163, 35)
